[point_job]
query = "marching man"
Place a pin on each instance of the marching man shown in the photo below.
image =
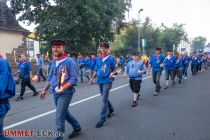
(7, 91)
(105, 69)
(155, 62)
(135, 69)
(169, 64)
(62, 78)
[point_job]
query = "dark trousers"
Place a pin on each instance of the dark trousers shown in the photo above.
(24, 83)
(178, 73)
(199, 66)
(194, 69)
(135, 85)
(156, 79)
(170, 73)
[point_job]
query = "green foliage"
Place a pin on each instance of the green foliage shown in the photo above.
(155, 37)
(81, 23)
(199, 43)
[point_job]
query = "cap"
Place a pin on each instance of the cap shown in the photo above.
(158, 49)
(136, 53)
(57, 42)
(105, 45)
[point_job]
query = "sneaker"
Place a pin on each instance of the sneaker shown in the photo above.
(100, 124)
(185, 78)
(19, 98)
(155, 94)
(110, 114)
(134, 104)
(74, 133)
(35, 93)
(166, 87)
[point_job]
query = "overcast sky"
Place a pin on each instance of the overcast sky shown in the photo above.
(194, 13)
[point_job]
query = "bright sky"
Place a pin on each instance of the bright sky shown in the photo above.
(194, 13)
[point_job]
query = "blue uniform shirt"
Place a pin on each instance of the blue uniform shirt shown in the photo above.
(104, 67)
(122, 61)
(178, 63)
(156, 62)
(25, 68)
(194, 60)
(7, 86)
(82, 62)
(200, 58)
(133, 70)
(185, 61)
(170, 63)
(40, 62)
(87, 62)
(92, 64)
(70, 69)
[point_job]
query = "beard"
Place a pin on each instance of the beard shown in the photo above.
(58, 54)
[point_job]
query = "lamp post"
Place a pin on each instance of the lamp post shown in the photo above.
(139, 49)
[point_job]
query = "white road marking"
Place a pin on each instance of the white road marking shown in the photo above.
(52, 111)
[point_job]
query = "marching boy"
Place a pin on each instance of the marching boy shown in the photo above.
(135, 69)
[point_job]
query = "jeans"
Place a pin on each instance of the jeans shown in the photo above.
(62, 102)
(83, 72)
(40, 74)
(184, 71)
(106, 105)
(156, 79)
(2, 137)
(1, 127)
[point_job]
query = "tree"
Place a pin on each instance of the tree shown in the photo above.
(81, 23)
(199, 43)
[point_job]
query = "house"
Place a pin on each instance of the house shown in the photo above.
(12, 36)
(184, 47)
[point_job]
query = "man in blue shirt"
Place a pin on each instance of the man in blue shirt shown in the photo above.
(7, 90)
(185, 62)
(200, 56)
(92, 64)
(178, 66)
(105, 69)
(62, 78)
(155, 62)
(82, 67)
(40, 65)
(194, 63)
(135, 69)
(122, 63)
(24, 71)
(169, 64)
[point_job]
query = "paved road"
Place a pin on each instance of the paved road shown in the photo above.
(179, 113)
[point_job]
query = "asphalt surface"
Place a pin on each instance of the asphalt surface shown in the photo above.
(178, 113)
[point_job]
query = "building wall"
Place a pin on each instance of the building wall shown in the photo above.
(9, 41)
(184, 45)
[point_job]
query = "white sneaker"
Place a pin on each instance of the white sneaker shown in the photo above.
(185, 77)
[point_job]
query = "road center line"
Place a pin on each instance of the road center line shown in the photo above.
(52, 111)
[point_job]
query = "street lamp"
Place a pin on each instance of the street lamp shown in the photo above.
(139, 50)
